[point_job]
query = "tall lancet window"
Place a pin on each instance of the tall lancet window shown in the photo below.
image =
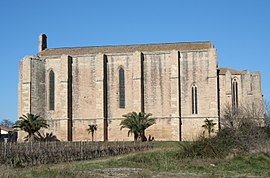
(121, 88)
(51, 90)
(234, 94)
(194, 98)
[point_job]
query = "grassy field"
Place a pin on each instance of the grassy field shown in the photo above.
(162, 161)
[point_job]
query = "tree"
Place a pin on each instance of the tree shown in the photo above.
(137, 123)
(245, 114)
(31, 124)
(7, 123)
(209, 126)
(246, 125)
(91, 129)
(131, 122)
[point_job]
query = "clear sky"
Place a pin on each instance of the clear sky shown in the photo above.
(239, 29)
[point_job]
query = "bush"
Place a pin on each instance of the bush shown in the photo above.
(208, 148)
(228, 141)
(243, 130)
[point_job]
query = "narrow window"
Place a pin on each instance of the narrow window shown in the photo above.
(194, 99)
(121, 88)
(51, 90)
(234, 94)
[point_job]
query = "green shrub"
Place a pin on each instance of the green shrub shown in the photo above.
(228, 141)
(204, 148)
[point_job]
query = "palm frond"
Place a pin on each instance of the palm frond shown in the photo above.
(136, 122)
(30, 123)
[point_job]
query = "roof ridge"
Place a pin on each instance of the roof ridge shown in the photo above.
(223, 70)
(126, 48)
(135, 44)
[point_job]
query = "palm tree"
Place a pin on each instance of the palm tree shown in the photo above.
(137, 123)
(31, 124)
(48, 137)
(209, 126)
(131, 122)
(91, 129)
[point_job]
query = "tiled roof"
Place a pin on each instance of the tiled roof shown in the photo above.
(256, 73)
(5, 128)
(125, 48)
(222, 71)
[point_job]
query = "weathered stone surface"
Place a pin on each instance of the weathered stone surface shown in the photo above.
(156, 81)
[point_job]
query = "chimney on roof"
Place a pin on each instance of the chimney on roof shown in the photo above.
(42, 42)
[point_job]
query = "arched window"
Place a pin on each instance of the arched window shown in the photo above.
(51, 90)
(234, 94)
(121, 88)
(194, 99)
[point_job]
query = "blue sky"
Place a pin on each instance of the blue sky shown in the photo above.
(240, 30)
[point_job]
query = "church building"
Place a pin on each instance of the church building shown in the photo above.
(179, 83)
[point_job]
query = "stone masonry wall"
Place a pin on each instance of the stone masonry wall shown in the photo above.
(249, 92)
(24, 88)
(58, 118)
(87, 97)
(198, 68)
(161, 92)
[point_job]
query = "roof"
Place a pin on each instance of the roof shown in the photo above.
(5, 128)
(222, 71)
(256, 73)
(125, 48)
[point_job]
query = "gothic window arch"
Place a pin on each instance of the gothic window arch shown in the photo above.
(51, 90)
(234, 93)
(121, 87)
(194, 99)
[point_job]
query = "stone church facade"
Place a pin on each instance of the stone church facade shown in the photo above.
(179, 83)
